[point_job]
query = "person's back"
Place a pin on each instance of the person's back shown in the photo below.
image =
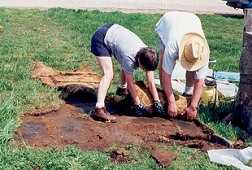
(124, 45)
(174, 25)
(182, 38)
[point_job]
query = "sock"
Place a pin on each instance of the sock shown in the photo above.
(100, 105)
(188, 90)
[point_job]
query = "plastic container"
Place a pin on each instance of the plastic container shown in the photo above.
(209, 95)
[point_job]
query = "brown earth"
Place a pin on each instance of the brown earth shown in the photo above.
(120, 155)
(70, 124)
(78, 81)
(59, 79)
(164, 158)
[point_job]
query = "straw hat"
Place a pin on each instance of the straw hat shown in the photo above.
(193, 52)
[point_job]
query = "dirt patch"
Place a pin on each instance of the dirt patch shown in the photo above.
(120, 155)
(60, 79)
(70, 124)
(85, 81)
(163, 158)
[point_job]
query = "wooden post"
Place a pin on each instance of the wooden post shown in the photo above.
(243, 105)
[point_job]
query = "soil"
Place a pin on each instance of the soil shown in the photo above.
(70, 124)
(59, 79)
(120, 155)
(85, 81)
(163, 158)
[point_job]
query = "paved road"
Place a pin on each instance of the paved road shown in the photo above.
(146, 6)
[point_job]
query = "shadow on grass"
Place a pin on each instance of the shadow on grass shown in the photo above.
(221, 118)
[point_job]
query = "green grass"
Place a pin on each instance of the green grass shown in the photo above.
(60, 38)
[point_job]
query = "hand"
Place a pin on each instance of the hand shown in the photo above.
(172, 109)
(139, 110)
(191, 112)
(158, 108)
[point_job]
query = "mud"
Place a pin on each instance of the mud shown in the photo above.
(70, 123)
(163, 158)
(120, 155)
(85, 81)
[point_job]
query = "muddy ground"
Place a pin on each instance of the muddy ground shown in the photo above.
(70, 124)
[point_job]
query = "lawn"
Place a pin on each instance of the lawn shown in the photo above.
(60, 38)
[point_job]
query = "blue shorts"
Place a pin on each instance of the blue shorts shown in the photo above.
(98, 47)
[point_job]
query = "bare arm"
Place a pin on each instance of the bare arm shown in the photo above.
(166, 82)
(191, 111)
(132, 88)
(151, 85)
(198, 87)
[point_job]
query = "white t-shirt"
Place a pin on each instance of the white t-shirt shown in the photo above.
(171, 28)
(124, 45)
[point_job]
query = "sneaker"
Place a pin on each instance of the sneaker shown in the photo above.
(101, 114)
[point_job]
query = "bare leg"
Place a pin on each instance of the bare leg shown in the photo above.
(107, 68)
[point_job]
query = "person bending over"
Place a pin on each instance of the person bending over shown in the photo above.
(131, 53)
(182, 38)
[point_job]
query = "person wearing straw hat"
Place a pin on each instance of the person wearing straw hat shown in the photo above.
(182, 39)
